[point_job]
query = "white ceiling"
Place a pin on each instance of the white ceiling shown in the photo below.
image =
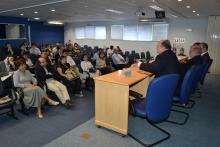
(95, 10)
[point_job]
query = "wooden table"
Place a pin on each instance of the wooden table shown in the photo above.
(112, 98)
(181, 58)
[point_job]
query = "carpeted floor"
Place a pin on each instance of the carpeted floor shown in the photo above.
(64, 127)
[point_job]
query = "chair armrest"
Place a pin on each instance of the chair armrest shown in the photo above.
(135, 94)
(13, 94)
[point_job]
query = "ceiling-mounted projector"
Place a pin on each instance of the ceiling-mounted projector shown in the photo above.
(139, 13)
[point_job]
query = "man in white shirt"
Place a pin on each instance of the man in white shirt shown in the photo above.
(110, 51)
(69, 59)
(34, 49)
(117, 58)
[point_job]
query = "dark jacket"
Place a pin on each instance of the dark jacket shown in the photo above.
(165, 63)
(205, 57)
(41, 74)
(56, 58)
(197, 60)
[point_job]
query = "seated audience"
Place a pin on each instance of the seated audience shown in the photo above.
(96, 55)
(75, 48)
(117, 58)
(7, 66)
(70, 76)
(34, 49)
(205, 54)
(54, 50)
(101, 64)
(45, 56)
(50, 56)
(28, 60)
(48, 47)
(9, 50)
(46, 73)
(69, 59)
(57, 56)
(21, 51)
(110, 51)
(34, 96)
(87, 66)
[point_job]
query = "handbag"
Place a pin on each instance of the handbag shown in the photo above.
(92, 70)
(70, 73)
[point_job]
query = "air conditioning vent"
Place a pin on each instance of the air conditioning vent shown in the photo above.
(153, 20)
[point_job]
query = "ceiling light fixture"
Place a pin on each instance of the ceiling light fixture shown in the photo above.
(36, 12)
(52, 10)
(38, 5)
(36, 18)
(55, 22)
(179, 0)
(156, 8)
(193, 11)
(197, 14)
(114, 11)
(21, 14)
(188, 7)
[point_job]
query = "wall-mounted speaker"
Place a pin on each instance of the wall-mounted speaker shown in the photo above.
(160, 14)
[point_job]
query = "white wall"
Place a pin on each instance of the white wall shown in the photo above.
(177, 29)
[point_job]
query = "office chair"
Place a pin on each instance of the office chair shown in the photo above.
(207, 66)
(142, 55)
(147, 56)
(8, 105)
(137, 56)
(184, 97)
(157, 104)
(200, 70)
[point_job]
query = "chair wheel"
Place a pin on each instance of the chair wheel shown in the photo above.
(99, 126)
(123, 136)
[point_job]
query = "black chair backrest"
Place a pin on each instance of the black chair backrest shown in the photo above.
(33, 58)
(147, 55)
(137, 56)
(142, 55)
(107, 61)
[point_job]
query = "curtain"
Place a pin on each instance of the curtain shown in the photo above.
(213, 41)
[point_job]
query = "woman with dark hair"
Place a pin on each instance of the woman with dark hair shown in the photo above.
(34, 96)
(70, 76)
(101, 64)
(75, 48)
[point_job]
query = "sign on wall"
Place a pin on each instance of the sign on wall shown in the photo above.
(176, 40)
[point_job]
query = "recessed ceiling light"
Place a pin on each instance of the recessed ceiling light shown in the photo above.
(179, 0)
(21, 14)
(197, 14)
(52, 10)
(85, 6)
(193, 11)
(55, 22)
(35, 12)
(114, 11)
(187, 6)
(36, 18)
(156, 8)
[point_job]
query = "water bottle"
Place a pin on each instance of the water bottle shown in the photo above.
(127, 59)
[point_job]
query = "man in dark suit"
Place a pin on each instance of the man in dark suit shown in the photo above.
(21, 51)
(7, 66)
(57, 56)
(205, 55)
(196, 59)
(165, 63)
(9, 49)
(46, 73)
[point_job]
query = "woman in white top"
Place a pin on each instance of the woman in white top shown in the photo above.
(86, 65)
(28, 60)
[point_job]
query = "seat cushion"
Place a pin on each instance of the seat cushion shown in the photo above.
(8, 104)
(139, 106)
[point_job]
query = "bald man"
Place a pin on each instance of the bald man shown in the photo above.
(46, 73)
(195, 59)
(166, 61)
